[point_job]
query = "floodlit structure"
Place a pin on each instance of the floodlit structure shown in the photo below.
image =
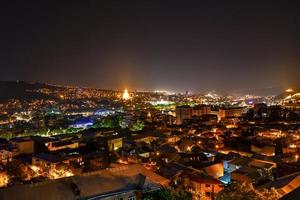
(126, 95)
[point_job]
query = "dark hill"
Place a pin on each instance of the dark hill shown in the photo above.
(22, 90)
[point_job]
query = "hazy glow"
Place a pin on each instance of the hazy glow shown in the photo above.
(126, 95)
(4, 179)
(161, 102)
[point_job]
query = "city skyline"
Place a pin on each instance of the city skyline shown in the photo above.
(150, 100)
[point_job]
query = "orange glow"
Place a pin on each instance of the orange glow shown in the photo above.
(59, 173)
(4, 179)
(126, 95)
(122, 161)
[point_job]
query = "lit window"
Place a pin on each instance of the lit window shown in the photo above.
(131, 198)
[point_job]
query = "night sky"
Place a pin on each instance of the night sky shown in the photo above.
(172, 45)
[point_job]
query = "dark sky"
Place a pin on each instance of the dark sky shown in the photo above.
(176, 45)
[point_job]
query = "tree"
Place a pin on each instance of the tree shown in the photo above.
(244, 191)
(110, 122)
(137, 126)
(168, 194)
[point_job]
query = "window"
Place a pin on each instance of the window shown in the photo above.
(131, 198)
(207, 194)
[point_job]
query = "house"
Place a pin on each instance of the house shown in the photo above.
(57, 145)
(5, 156)
(114, 142)
(215, 170)
(145, 138)
(23, 145)
(251, 170)
(232, 112)
(126, 182)
(196, 181)
(205, 187)
(50, 165)
(265, 151)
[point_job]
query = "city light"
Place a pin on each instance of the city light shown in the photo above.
(4, 179)
(126, 95)
(161, 102)
(137, 100)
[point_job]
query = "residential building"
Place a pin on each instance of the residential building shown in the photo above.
(183, 113)
(23, 145)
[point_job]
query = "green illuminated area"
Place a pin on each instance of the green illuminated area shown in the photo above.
(52, 112)
(165, 107)
(137, 126)
(110, 122)
(173, 106)
(42, 132)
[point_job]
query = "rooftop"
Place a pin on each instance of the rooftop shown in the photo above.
(49, 157)
(90, 184)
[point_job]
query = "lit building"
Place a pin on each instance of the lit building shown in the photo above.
(114, 143)
(23, 145)
(183, 113)
(200, 110)
(145, 138)
(290, 100)
(5, 156)
(52, 165)
(126, 95)
(60, 145)
(251, 170)
(232, 112)
(216, 170)
(205, 187)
